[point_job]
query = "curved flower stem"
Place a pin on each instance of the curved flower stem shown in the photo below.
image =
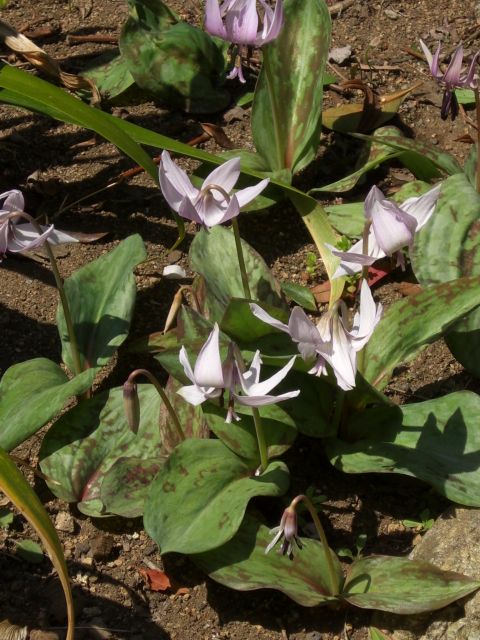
(161, 391)
(332, 574)
(241, 259)
(262, 444)
(477, 108)
(77, 364)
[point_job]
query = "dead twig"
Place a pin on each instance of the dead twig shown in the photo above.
(338, 7)
(101, 38)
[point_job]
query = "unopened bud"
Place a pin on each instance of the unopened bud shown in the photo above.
(131, 405)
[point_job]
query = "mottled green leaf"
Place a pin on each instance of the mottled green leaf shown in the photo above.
(198, 500)
(110, 75)
(436, 441)
(17, 489)
(241, 564)
(31, 394)
(299, 294)
(413, 322)
(287, 106)
(470, 166)
(279, 430)
(175, 61)
(441, 159)
(213, 255)
(101, 296)
(403, 586)
(448, 247)
(82, 447)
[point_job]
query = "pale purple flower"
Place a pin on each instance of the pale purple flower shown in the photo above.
(211, 378)
(288, 530)
(212, 204)
(237, 21)
(392, 227)
(16, 237)
(334, 340)
(452, 78)
(256, 393)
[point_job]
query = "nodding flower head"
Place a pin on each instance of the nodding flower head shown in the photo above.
(287, 531)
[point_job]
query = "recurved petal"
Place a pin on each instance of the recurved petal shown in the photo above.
(248, 194)
(213, 19)
(219, 214)
(452, 74)
(262, 315)
(422, 208)
(225, 176)
(470, 79)
(272, 23)
(263, 388)
(302, 329)
(261, 401)
(24, 237)
(174, 183)
(12, 201)
(208, 370)
(184, 361)
(432, 60)
(366, 319)
(353, 260)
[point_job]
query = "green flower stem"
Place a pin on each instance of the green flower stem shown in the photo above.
(262, 445)
(334, 583)
(477, 108)
(241, 260)
(77, 363)
(161, 391)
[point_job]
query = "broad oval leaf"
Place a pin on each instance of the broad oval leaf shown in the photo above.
(82, 448)
(449, 247)
(287, 105)
(213, 255)
(411, 323)
(241, 564)
(101, 297)
(14, 485)
(31, 394)
(198, 500)
(437, 441)
(404, 586)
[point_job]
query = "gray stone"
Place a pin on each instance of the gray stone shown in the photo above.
(64, 522)
(340, 54)
(453, 544)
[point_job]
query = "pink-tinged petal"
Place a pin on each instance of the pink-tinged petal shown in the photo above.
(24, 237)
(263, 388)
(433, 61)
(374, 198)
(190, 211)
(4, 233)
(225, 176)
(272, 25)
(223, 215)
(241, 25)
(304, 332)
(252, 375)
(248, 194)
(193, 394)
(343, 359)
(213, 19)
(12, 201)
(452, 74)
(353, 260)
(366, 319)
(470, 79)
(393, 227)
(422, 208)
(262, 315)
(184, 361)
(208, 370)
(174, 183)
(261, 401)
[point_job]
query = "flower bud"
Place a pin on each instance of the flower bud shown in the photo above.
(131, 405)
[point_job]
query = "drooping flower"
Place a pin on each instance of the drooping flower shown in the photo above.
(392, 227)
(212, 204)
(237, 21)
(334, 340)
(256, 393)
(211, 378)
(452, 78)
(288, 530)
(16, 237)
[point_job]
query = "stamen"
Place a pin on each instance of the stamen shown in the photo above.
(208, 188)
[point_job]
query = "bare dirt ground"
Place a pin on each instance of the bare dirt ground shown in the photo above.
(53, 163)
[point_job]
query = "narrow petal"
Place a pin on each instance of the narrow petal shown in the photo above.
(422, 208)
(470, 79)
(12, 201)
(213, 19)
(263, 388)
(366, 319)
(432, 60)
(223, 215)
(225, 176)
(344, 358)
(262, 315)
(304, 332)
(193, 394)
(248, 194)
(190, 211)
(208, 370)
(354, 259)
(271, 25)
(261, 401)
(174, 183)
(252, 375)
(60, 237)
(184, 361)
(24, 237)
(452, 74)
